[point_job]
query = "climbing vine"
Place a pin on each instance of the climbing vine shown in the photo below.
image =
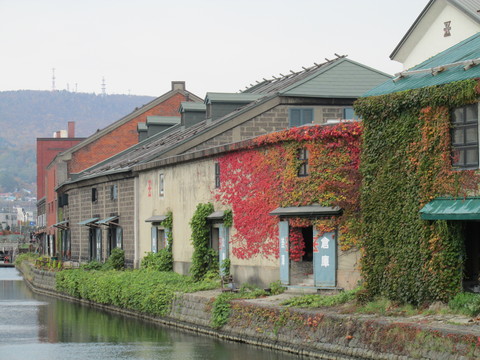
(264, 176)
(162, 260)
(406, 162)
(202, 258)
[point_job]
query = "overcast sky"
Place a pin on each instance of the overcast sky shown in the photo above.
(140, 46)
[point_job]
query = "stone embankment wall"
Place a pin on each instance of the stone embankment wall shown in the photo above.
(309, 332)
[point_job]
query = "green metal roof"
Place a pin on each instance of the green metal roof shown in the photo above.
(88, 221)
(107, 221)
(341, 79)
(468, 49)
(142, 127)
(163, 120)
(231, 97)
(192, 106)
(451, 209)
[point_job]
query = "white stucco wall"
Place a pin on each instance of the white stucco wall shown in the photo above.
(428, 37)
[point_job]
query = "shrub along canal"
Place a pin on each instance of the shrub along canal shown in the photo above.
(39, 327)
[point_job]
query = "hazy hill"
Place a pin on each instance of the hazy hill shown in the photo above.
(27, 114)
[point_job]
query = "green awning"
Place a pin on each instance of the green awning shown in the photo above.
(88, 221)
(61, 225)
(107, 221)
(451, 209)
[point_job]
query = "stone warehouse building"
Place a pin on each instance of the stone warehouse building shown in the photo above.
(314, 95)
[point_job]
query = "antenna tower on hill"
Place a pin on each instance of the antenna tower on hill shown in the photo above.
(53, 79)
(104, 87)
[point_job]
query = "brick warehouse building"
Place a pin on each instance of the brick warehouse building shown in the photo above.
(47, 149)
(102, 145)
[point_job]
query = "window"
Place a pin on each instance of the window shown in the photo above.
(303, 158)
(161, 185)
(217, 175)
(115, 237)
(114, 192)
(349, 114)
(95, 243)
(465, 137)
(94, 194)
(301, 116)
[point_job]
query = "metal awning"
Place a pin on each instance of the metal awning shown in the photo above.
(304, 211)
(61, 225)
(451, 209)
(216, 215)
(156, 218)
(108, 221)
(89, 222)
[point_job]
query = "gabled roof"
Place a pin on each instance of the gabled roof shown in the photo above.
(277, 84)
(137, 112)
(338, 78)
(454, 64)
(469, 7)
(178, 139)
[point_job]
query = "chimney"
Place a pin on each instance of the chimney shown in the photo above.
(178, 85)
(71, 129)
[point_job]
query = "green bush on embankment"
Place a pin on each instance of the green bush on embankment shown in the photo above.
(151, 292)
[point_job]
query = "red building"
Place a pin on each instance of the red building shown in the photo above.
(105, 143)
(47, 149)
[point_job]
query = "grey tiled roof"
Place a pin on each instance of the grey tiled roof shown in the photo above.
(154, 146)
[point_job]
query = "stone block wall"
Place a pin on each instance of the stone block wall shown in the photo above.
(193, 308)
(81, 207)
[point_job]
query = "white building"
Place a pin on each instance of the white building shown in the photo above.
(442, 24)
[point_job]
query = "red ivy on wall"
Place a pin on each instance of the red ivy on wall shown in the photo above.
(259, 179)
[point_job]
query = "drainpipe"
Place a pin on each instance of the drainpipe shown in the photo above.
(136, 249)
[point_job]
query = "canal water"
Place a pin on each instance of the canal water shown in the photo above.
(35, 327)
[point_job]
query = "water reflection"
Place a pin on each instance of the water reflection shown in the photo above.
(40, 327)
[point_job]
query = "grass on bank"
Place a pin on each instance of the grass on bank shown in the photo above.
(467, 304)
(144, 290)
(152, 292)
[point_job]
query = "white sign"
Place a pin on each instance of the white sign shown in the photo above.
(324, 242)
(325, 261)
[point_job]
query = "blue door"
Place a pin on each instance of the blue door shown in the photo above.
(154, 239)
(284, 256)
(324, 259)
(222, 246)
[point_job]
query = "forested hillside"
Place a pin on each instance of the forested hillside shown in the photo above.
(27, 114)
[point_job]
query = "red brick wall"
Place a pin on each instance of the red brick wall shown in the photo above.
(47, 149)
(120, 138)
(51, 198)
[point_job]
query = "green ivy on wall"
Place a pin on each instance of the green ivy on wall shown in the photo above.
(405, 163)
(202, 258)
(162, 260)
